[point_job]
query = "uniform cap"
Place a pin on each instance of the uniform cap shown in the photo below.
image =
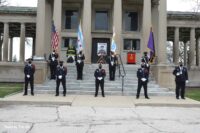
(142, 60)
(145, 53)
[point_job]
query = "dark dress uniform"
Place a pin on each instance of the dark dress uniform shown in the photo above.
(61, 73)
(29, 71)
(112, 61)
(99, 75)
(143, 76)
(145, 60)
(181, 75)
(79, 65)
(53, 64)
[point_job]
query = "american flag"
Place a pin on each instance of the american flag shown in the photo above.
(54, 37)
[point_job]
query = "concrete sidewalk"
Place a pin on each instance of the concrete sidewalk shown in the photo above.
(91, 101)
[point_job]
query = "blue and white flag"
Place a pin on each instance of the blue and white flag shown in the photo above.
(113, 45)
(80, 40)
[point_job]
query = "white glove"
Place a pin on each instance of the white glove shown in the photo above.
(177, 74)
(147, 65)
(60, 76)
(100, 78)
(112, 63)
(79, 61)
(187, 81)
(143, 79)
(53, 58)
(28, 76)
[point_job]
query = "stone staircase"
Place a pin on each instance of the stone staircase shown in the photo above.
(87, 85)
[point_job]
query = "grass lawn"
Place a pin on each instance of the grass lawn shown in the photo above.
(193, 93)
(9, 88)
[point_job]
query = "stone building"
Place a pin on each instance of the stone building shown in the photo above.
(131, 19)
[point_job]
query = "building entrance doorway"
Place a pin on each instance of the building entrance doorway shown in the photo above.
(100, 49)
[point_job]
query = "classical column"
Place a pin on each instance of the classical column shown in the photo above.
(11, 49)
(1, 43)
(117, 24)
(40, 28)
(146, 24)
(185, 53)
(43, 26)
(155, 25)
(57, 17)
(162, 32)
(192, 47)
(87, 13)
(22, 43)
(197, 51)
(33, 47)
(176, 46)
(5, 41)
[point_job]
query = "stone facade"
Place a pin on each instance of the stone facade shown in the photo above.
(151, 13)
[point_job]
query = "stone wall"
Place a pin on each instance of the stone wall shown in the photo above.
(163, 75)
(14, 72)
(193, 75)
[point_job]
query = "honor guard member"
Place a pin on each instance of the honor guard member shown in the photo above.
(142, 75)
(29, 71)
(71, 53)
(53, 62)
(79, 58)
(61, 73)
(112, 61)
(145, 59)
(99, 75)
(181, 77)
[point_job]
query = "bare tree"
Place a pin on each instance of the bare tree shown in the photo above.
(3, 2)
(195, 5)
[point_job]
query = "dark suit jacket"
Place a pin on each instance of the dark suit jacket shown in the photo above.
(100, 73)
(142, 73)
(29, 70)
(183, 75)
(114, 59)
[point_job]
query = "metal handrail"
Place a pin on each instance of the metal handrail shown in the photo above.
(120, 73)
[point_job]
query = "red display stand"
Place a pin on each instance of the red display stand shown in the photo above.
(131, 58)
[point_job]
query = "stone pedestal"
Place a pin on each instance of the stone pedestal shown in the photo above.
(41, 71)
(193, 76)
(14, 72)
(163, 75)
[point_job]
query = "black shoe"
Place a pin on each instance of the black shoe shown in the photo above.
(57, 95)
(103, 95)
(137, 97)
(24, 94)
(177, 97)
(32, 94)
(147, 97)
(64, 95)
(95, 95)
(183, 98)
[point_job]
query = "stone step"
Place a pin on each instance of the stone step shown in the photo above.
(84, 88)
(87, 85)
(125, 93)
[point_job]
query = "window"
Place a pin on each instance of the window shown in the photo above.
(71, 19)
(68, 41)
(131, 44)
(131, 21)
(101, 20)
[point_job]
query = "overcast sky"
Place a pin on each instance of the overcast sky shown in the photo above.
(172, 5)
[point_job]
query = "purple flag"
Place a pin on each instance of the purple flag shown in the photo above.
(151, 46)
